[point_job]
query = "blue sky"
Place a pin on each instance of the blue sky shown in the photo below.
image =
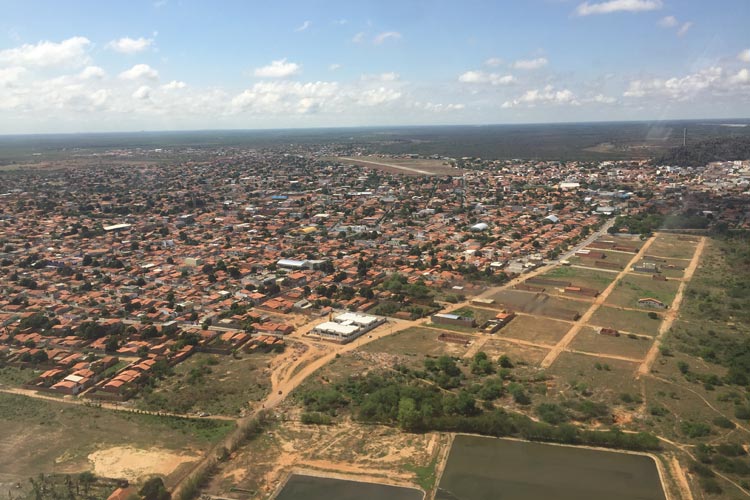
(82, 66)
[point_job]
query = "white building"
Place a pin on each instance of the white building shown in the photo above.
(347, 327)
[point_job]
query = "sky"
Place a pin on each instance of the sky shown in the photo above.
(106, 66)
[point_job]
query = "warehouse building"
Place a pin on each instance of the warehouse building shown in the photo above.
(347, 327)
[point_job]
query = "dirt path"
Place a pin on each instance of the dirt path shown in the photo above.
(671, 314)
(96, 404)
(584, 319)
(678, 473)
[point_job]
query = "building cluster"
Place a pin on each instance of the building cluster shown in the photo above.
(148, 261)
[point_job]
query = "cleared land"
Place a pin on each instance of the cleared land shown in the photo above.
(415, 341)
(533, 329)
(672, 246)
(589, 340)
(405, 166)
(44, 436)
(584, 278)
(626, 320)
(541, 304)
(634, 287)
(484, 469)
(220, 385)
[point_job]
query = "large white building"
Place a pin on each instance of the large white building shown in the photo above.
(347, 327)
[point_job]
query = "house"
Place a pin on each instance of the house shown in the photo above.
(649, 302)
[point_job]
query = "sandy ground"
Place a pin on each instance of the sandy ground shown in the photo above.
(132, 463)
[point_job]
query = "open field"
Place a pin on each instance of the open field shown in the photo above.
(324, 488)
(478, 468)
(605, 378)
(405, 166)
(419, 342)
(216, 384)
(625, 320)
(671, 247)
(528, 355)
(43, 436)
(634, 287)
(618, 258)
(585, 278)
(538, 303)
(534, 329)
(589, 340)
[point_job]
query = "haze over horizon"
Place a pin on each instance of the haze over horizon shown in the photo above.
(170, 65)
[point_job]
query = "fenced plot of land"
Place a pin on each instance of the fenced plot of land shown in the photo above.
(590, 340)
(615, 258)
(416, 341)
(584, 278)
(634, 287)
(626, 320)
(323, 488)
(671, 246)
(539, 303)
(534, 329)
(484, 469)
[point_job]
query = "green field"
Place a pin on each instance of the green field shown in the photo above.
(626, 320)
(633, 287)
(669, 246)
(488, 469)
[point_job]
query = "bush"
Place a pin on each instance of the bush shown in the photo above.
(723, 422)
(316, 418)
(695, 429)
(711, 486)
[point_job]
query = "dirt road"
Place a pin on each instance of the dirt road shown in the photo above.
(671, 314)
(584, 319)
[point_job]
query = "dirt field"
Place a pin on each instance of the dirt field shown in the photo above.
(404, 166)
(589, 340)
(538, 303)
(670, 246)
(585, 278)
(618, 258)
(39, 436)
(133, 463)
(416, 342)
(626, 320)
(534, 329)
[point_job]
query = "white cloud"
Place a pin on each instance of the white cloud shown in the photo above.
(602, 99)
(547, 95)
(92, 72)
(143, 93)
(9, 76)
(70, 52)
(127, 45)
(388, 35)
(359, 37)
(668, 22)
(377, 96)
(744, 55)
(537, 63)
(303, 26)
(482, 77)
(587, 9)
(140, 71)
(285, 97)
(382, 77)
(334, 66)
(493, 62)
(741, 78)
(438, 107)
(174, 85)
(681, 88)
(684, 28)
(278, 69)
